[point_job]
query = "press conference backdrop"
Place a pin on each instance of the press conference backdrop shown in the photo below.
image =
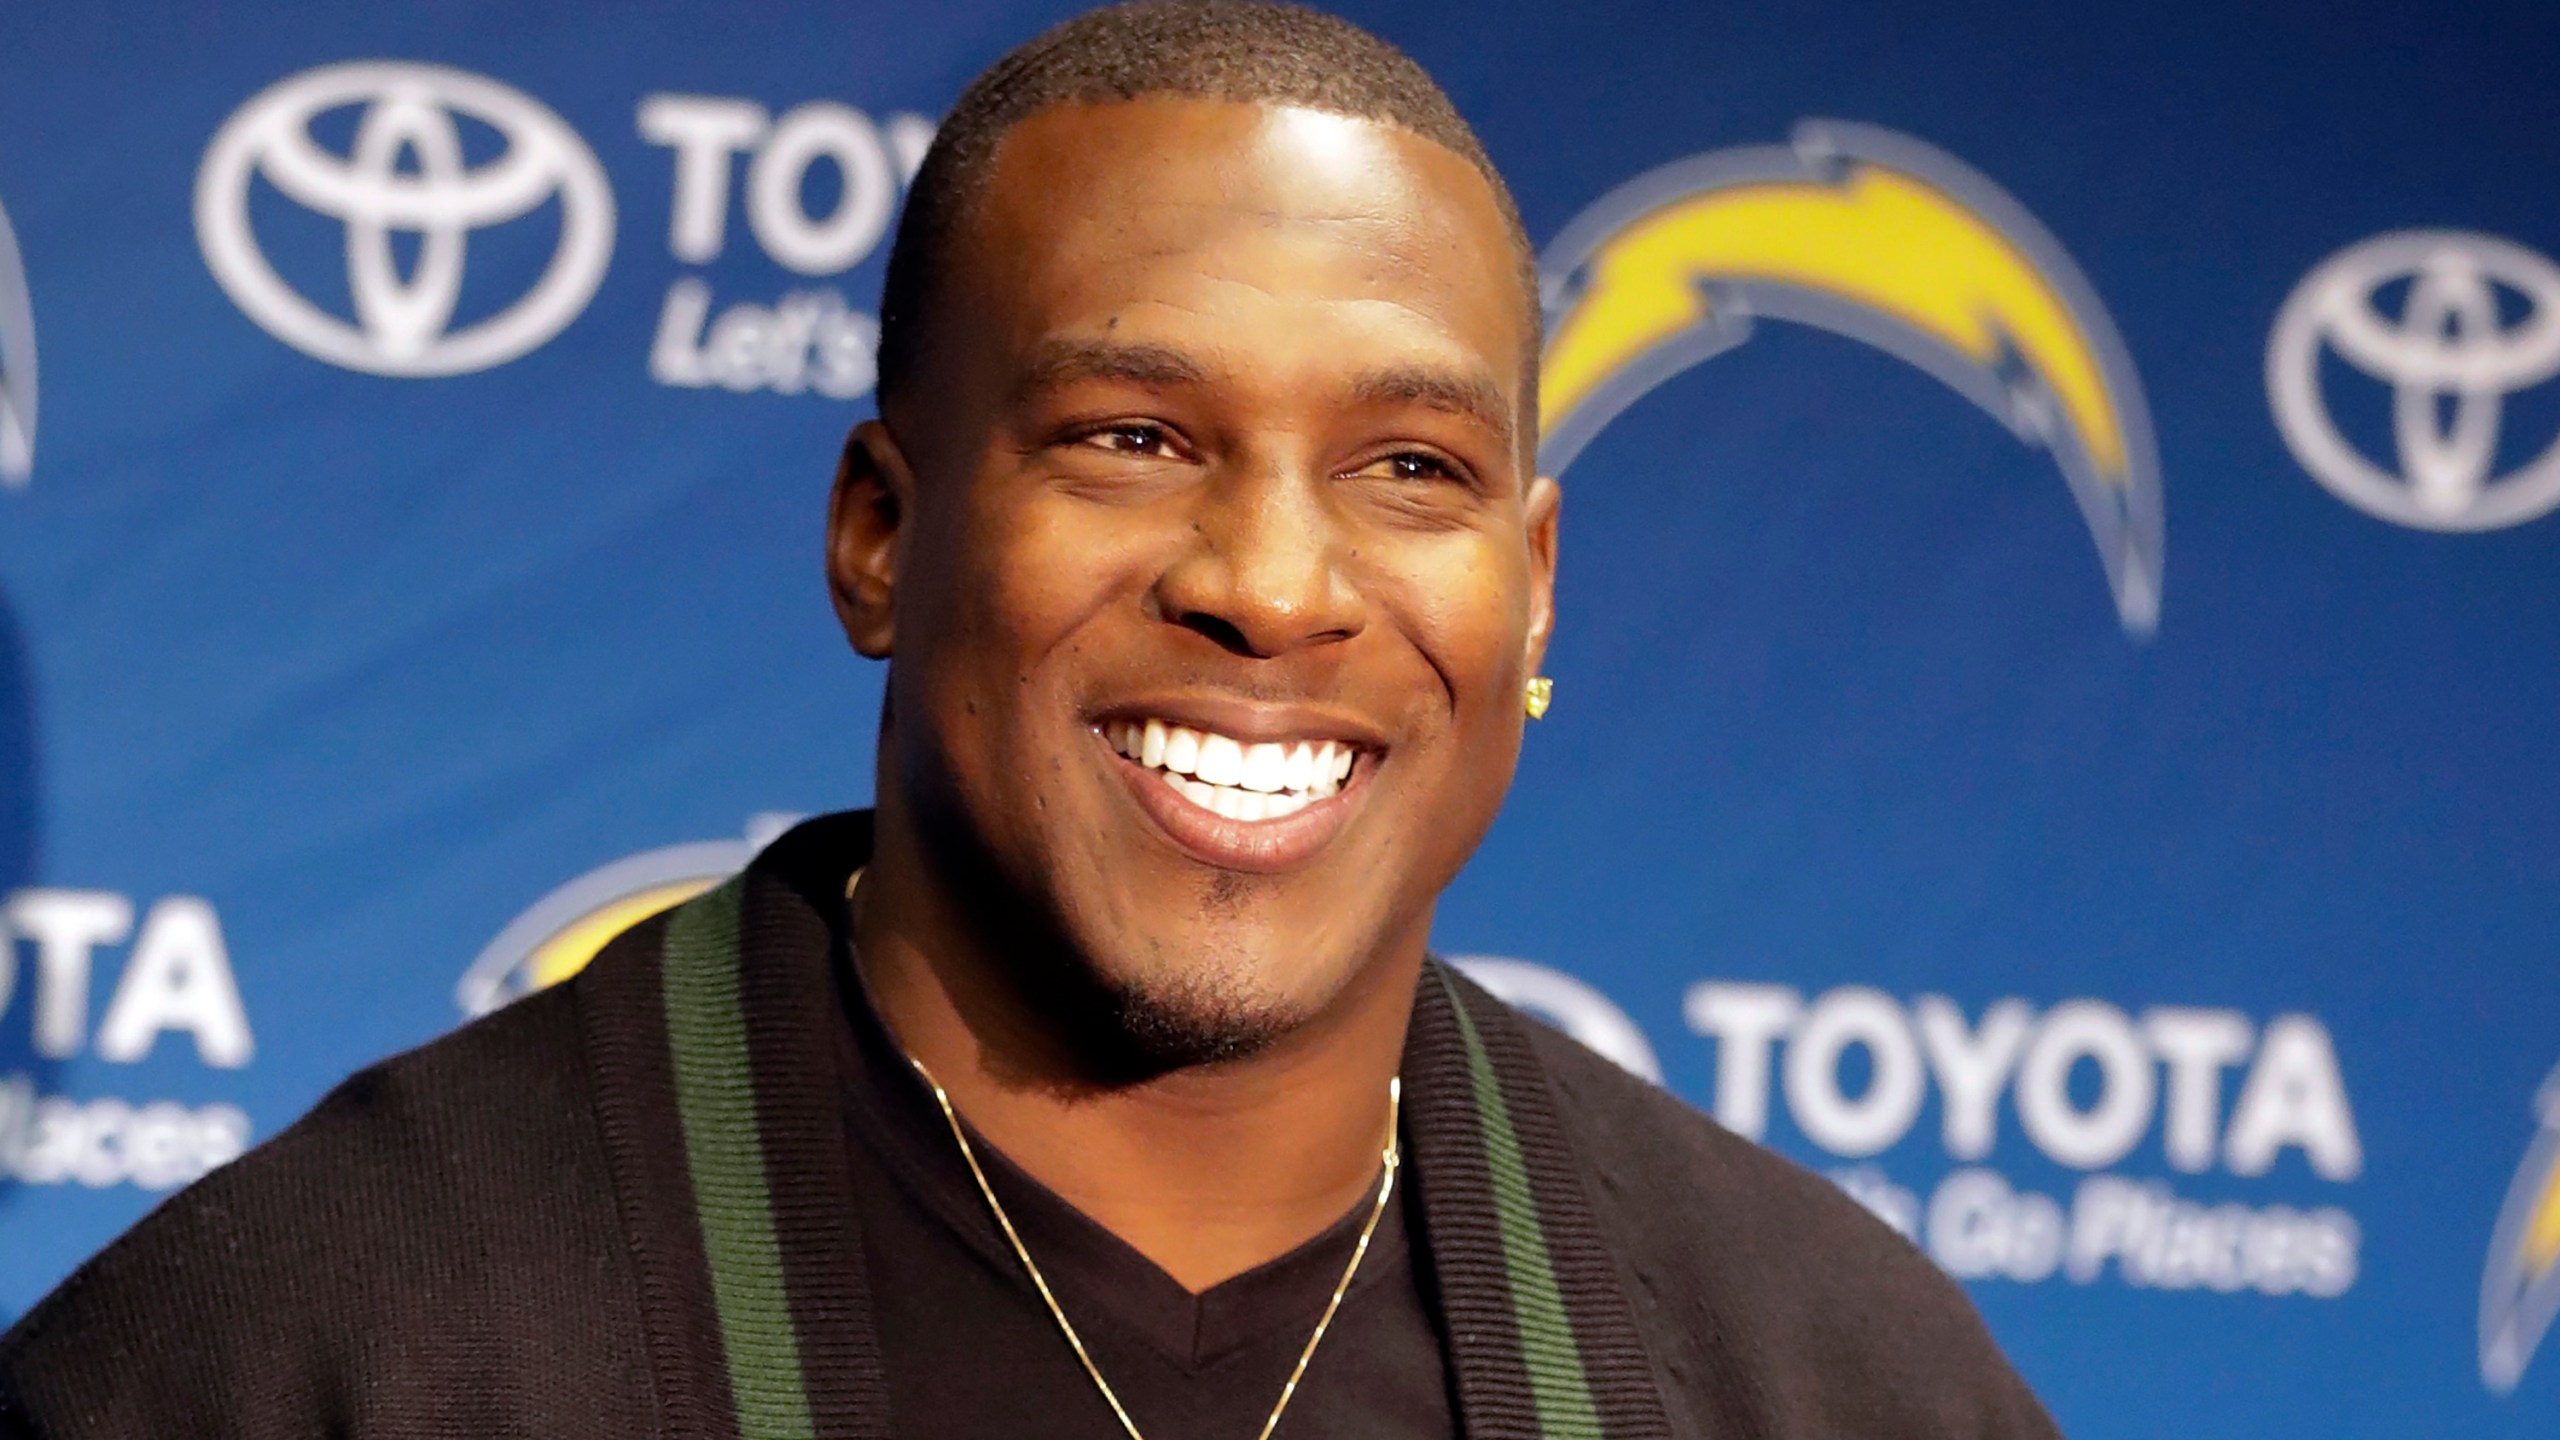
(2054, 680)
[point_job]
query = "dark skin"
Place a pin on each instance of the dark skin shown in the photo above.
(1223, 417)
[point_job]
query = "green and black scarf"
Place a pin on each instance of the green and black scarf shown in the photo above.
(732, 1172)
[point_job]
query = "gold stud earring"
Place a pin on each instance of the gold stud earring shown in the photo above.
(1537, 695)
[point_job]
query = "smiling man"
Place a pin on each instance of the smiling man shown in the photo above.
(1100, 1083)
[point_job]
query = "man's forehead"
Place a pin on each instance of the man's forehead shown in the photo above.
(1175, 150)
(1165, 199)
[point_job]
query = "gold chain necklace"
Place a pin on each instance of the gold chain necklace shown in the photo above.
(1386, 1186)
(1390, 1157)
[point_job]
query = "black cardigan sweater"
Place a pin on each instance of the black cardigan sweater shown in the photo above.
(618, 1209)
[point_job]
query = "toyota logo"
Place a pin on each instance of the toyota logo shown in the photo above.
(2450, 358)
(405, 172)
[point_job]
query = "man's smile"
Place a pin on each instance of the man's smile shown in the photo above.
(1241, 780)
(1240, 803)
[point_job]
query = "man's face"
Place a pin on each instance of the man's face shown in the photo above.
(1222, 568)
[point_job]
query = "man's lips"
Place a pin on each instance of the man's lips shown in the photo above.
(1254, 805)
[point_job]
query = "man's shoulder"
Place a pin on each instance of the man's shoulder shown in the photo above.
(415, 1194)
(1736, 1250)
(1635, 1133)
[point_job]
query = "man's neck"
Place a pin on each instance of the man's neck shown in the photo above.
(1207, 1170)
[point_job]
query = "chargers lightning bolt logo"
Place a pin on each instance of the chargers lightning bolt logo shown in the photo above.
(2520, 1288)
(558, 934)
(1878, 237)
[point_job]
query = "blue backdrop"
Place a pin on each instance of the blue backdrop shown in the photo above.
(2056, 626)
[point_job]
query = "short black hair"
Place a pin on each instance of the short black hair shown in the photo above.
(1217, 49)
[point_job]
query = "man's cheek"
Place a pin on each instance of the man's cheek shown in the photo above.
(1028, 587)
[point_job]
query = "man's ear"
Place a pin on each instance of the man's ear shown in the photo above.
(1545, 503)
(866, 529)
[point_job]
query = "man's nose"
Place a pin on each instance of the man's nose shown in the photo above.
(1263, 573)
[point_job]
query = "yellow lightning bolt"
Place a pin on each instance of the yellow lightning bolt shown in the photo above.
(2540, 1245)
(568, 949)
(1881, 239)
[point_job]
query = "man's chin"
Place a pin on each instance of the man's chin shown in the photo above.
(1126, 1018)
(1143, 1018)
(1165, 1025)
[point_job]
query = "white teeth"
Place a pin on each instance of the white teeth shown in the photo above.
(1221, 760)
(1300, 772)
(1262, 781)
(1265, 765)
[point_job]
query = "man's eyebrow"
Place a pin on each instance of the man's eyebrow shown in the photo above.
(1060, 362)
(1473, 397)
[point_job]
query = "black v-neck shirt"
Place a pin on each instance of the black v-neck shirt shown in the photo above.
(971, 1353)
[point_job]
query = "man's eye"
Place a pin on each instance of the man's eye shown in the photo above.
(1410, 465)
(1130, 439)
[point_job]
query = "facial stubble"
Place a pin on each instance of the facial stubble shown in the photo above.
(1127, 1019)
